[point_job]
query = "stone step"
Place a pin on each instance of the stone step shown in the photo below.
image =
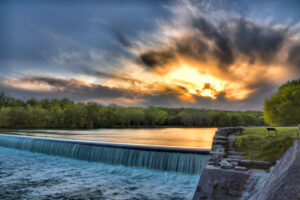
(233, 160)
(212, 163)
(221, 133)
(240, 168)
(217, 146)
(220, 138)
(230, 152)
(256, 163)
(217, 153)
(214, 159)
(236, 157)
(219, 142)
(226, 165)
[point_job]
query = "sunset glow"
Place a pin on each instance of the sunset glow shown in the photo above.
(187, 53)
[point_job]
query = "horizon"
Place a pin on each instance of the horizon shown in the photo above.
(194, 54)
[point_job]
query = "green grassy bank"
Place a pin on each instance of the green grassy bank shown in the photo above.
(259, 145)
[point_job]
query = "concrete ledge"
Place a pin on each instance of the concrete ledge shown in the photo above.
(256, 163)
(217, 184)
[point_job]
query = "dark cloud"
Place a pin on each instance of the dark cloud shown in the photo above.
(192, 47)
(259, 41)
(157, 58)
(61, 88)
(100, 74)
(294, 56)
(231, 39)
(223, 50)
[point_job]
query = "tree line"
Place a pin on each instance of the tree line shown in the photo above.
(64, 113)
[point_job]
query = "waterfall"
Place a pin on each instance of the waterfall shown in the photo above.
(255, 183)
(191, 161)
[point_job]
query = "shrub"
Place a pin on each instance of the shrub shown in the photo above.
(274, 149)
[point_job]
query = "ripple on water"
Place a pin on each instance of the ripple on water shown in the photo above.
(26, 175)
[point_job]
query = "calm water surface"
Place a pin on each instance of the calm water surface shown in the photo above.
(171, 137)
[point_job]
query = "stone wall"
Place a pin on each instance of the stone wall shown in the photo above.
(226, 181)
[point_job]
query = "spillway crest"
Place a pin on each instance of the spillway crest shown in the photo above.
(163, 159)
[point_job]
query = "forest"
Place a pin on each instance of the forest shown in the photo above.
(64, 113)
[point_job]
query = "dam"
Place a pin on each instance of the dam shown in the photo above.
(67, 162)
(185, 160)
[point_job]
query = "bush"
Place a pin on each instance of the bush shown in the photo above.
(246, 142)
(274, 149)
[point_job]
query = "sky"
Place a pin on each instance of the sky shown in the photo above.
(213, 54)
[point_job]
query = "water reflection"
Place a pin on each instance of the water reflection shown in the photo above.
(172, 137)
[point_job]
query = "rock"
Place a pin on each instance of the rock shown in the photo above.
(214, 159)
(221, 133)
(219, 142)
(233, 157)
(217, 154)
(212, 163)
(217, 146)
(233, 160)
(234, 163)
(225, 164)
(220, 138)
(240, 168)
(220, 150)
(235, 153)
(256, 163)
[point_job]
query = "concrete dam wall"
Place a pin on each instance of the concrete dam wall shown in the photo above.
(283, 182)
(184, 160)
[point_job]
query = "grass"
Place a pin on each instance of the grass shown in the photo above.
(257, 144)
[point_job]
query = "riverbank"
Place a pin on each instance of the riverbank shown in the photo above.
(227, 176)
(259, 144)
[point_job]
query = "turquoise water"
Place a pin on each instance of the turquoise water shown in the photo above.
(163, 159)
(27, 175)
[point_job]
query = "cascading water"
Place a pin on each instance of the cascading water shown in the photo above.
(191, 161)
(255, 183)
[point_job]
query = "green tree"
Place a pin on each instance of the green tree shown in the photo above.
(75, 116)
(32, 102)
(56, 116)
(37, 117)
(5, 121)
(64, 113)
(155, 116)
(284, 107)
